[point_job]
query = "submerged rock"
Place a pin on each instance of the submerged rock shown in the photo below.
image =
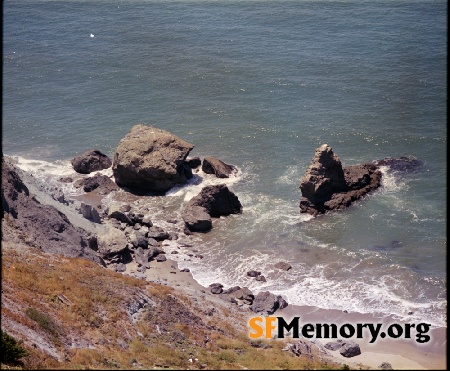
(327, 185)
(89, 161)
(151, 159)
(403, 164)
(220, 169)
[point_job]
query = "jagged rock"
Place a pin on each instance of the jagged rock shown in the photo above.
(43, 226)
(281, 302)
(219, 168)
(266, 303)
(102, 182)
(216, 288)
(142, 257)
(197, 219)
(151, 159)
(350, 349)
(116, 212)
(153, 252)
(89, 161)
(194, 162)
(243, 293)
(90, 212)
(218, 201)
(283, 265)
(138, 239)
(136, 218)
(157, 233)
(326, 185)
(111, 243)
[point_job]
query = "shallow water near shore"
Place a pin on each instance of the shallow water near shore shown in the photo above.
(259, 85)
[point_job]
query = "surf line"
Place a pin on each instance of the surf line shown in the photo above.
(264, 327)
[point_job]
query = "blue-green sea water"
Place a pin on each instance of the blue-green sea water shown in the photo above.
(260, 85)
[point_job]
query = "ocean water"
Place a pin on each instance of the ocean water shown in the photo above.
(260, 85)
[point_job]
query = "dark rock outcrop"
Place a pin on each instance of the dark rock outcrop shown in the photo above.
(194, 162)
(350, 349)
(347, 348)
(42, 226)
(151, 159)
(220, 169)
(197, 219)
(212, 201)
(403, 164)
(267, 303)
(218, 201)
(102, 183)
(327, 185)
(90, 212)
(216, 288)
(89, 161)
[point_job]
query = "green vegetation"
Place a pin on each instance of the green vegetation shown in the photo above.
(44, 321)
(10, 350)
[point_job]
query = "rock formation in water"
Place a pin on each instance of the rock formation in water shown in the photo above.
(327, 185)
(89, 161)
(151, 159)
(220, 169)
(213, 201)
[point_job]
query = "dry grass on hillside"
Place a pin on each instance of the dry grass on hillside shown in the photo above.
(73, 314)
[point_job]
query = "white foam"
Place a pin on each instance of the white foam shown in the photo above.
(199, 180)
(390, 182)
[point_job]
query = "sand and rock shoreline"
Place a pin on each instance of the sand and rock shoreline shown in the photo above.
(127, 240)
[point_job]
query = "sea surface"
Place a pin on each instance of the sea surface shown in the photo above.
(260, 85)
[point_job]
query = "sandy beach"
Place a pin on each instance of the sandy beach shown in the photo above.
(402, 354)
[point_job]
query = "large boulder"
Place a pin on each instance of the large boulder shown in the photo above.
(327, 185)
(267, 303)
(212, 201)
(111, 243)
(102, 183)
(220, 169)
(151, 159)
(197, 219)
(89, 161)
(218, 201)
(350, 349)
